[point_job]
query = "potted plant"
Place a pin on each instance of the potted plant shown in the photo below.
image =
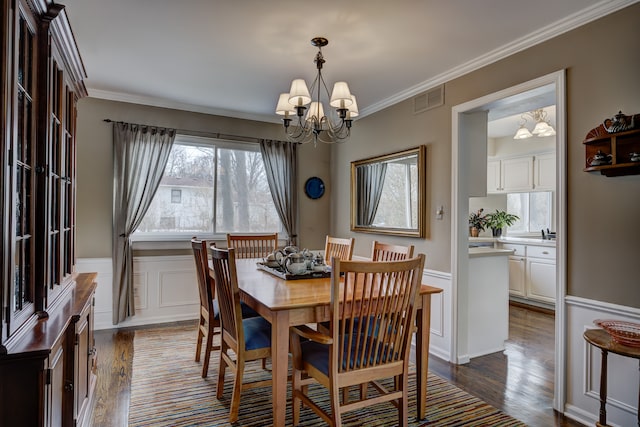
(477, 222)
(498, 220)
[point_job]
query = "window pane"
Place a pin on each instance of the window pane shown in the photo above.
(534, 210)
(189, 171)
(243, 202)
(539, 211)
(199, 177)
(518, 204)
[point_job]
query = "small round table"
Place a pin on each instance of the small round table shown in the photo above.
(601, 339)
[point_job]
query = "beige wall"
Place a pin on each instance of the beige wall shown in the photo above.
(603, 235)
(95, 168)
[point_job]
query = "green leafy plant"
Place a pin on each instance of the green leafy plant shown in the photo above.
(500, 219)
(478, 220)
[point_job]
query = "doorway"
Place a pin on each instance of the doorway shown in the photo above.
(469, 125)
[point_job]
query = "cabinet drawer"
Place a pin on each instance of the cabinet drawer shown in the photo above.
(520, 250)
(541, 252)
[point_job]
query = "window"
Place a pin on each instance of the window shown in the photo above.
(176, 195)
(534, 210)
(211, 186)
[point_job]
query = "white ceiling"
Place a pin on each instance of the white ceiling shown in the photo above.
(235, 57)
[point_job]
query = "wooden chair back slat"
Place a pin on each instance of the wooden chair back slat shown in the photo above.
(388, 252)
(223, 268)
(252, 245)
(206, 287)
(338, 247)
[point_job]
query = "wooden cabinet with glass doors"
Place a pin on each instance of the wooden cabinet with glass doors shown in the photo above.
(47, 356)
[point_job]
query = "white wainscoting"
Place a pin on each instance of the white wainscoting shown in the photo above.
(440, 340)
(583, 367)
(165, 290)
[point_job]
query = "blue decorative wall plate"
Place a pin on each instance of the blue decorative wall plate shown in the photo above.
(314, 187)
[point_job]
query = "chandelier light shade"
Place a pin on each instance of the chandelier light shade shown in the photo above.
(542, 126)
(315, 125)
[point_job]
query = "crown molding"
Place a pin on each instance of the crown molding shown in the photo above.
(555, 29)
(175, 105)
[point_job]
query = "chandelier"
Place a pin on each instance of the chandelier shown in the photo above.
(315, 125)
(542, 127)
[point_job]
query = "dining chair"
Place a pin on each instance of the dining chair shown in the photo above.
(209, 323)
(372, 321)
(246, 339)
(253, 245)
(386, 252)
(338, 247)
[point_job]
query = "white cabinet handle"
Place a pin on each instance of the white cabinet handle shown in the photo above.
(545, 252)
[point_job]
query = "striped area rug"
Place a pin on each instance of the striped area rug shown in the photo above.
(167, 390)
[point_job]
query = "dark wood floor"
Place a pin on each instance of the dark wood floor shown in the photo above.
(519, 381)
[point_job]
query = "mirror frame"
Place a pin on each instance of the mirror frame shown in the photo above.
(420, 151)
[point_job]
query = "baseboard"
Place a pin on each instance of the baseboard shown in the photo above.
(531, 307)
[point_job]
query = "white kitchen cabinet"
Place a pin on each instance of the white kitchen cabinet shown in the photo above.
(517, 174)
(522, 174)
(517, 275)
(532, 273)
(544, 172)
(493, 177)
(517, 265)
(541, 273)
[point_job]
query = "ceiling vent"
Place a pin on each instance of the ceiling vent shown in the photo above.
(428, 100)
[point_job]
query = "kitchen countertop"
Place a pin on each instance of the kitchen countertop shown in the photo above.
(517, 240)
(528, 241)
(488, 251)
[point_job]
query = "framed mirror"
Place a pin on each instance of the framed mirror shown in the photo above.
(388, 193)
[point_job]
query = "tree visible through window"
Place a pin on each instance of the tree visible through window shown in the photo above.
(212, 187)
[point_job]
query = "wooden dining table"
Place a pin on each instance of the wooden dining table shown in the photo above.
(286, 303)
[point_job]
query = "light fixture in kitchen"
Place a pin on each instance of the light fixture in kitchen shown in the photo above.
(542, 126)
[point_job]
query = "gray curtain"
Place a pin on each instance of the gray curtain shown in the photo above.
(140, 155)
(370, 180)
(281, 166)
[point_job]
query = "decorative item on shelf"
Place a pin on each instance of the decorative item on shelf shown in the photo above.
(477, 222)
(619, 123)
(634, 157)
(599, 159)
(316, 126)
(625, 333)
(500, 219)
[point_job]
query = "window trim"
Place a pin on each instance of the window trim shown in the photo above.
(529, 232)
(157, 240)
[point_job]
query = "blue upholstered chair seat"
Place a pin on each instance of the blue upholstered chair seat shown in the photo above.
(317, 355)
(257, 333)
(247, 311)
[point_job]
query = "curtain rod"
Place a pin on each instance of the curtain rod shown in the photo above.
(216, 135)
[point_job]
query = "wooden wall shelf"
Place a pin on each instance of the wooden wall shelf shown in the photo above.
(620, 145)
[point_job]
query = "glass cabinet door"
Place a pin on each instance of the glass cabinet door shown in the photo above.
(23, 171)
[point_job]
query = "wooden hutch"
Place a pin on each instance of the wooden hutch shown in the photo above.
(47, 353)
